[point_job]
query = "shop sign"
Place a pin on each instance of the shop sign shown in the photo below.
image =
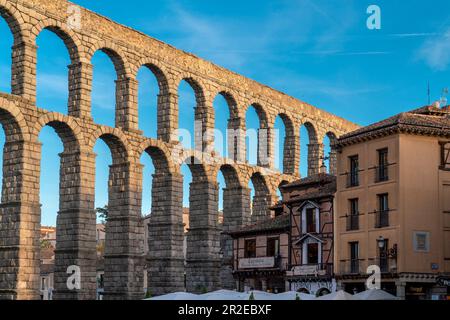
(255, 263)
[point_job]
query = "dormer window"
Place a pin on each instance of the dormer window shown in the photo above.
(310, 218)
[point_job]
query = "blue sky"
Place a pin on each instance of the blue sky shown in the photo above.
(318, 51)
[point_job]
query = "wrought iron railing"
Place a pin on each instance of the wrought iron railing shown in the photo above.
(352, 222)
(353, 266)
(382, 219)
(381, 173)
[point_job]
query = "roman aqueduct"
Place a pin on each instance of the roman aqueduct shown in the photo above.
(129, 50)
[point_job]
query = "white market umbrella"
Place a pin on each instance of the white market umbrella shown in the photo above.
(292, 295)
(176, 296)
(261, 295)
(339, 295)
(224, 295)
(375, 294)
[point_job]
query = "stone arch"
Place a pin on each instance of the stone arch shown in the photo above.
(315, 148)
(67, 129)
(115, 140)
(290, 149)
(13, 124)
(262, 199)
(159, 154)
(67, 35)
(163, 98)
(312, 132)
(204, 113)
(13, 121)
(117, 56)
(231, 102)
(332, 156)
(262, 114)
(264, 153)
(158, 71)
(196, 85)
(231, 175)
(13, 19)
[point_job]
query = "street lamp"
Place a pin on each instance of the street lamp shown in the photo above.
(381, 242)
(390, 253)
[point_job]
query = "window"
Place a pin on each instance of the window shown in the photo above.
(250, 248)
(353, 218)
(354, 257)
(311, 223)
(421, 241)
(382, 170)
(354, 171)
(445, 155)
(382, 216)
(313, 253)
(43, 283)
(273, 247)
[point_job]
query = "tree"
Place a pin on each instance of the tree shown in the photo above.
(252, 297)
(103, 213)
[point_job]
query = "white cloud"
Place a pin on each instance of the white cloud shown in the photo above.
(436, 51)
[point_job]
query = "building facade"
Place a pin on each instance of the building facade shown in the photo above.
(260, 255)
(310, 204)
(393, 205)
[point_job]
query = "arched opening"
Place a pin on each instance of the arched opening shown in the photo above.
(156, 199)
(260, 196)
(279, 142)
(255, 120)
(112, 193)
(149, 78)
(63, 216)
(330, 155)
(107, 69)
(308, 138)
(52, 88)
(203, 236)
(222, 118)
(6, 43)
(187, 107)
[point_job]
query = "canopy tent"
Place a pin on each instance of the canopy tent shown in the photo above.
(176, 296)
(261, 295)
(224, 295)
(375, 294)
(339, 295)
(292, 295)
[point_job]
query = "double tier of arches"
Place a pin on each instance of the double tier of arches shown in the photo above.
(79, 130)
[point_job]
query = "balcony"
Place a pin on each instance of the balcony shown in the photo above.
(353, 179)
(381, 174)
(354, 266)
(382, 219)
(386, 264)
(353, 222)
(321, 269)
